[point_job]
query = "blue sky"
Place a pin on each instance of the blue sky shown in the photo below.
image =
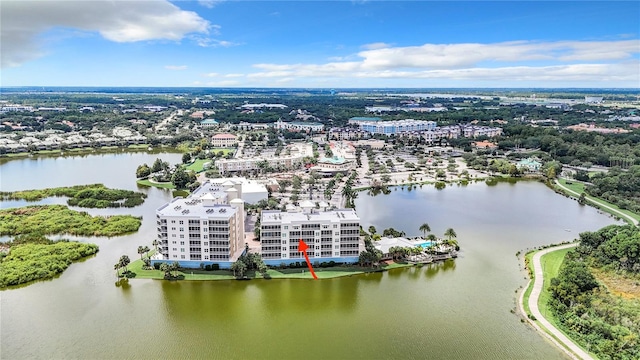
(327, 44)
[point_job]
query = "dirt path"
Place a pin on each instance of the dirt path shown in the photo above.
(560, 339)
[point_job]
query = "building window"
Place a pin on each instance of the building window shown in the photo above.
(173, 242)
(173, 228)
(181, 242)
(335, 226)
(181, 249)
(206, 243)
(181, 222)
(174, 249)
(206, 257)
(206, 236)
(286, 227)
(181, 229)
(173, 235)
(204, 223)
(181, 256)
(206, 250)
(175, 256)
(173, 221)
(181, 236)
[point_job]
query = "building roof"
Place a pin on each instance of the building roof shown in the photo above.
(277, 216)
(385, 243)
(224, 136)
(190, 207)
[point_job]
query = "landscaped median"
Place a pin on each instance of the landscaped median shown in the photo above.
(550, 263)
(299, 273)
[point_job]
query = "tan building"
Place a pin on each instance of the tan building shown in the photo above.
(224, 140)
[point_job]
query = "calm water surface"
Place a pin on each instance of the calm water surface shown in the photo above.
(454, 310)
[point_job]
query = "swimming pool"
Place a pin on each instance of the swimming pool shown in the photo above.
(425, 244)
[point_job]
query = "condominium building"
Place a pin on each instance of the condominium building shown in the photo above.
(204, 228)
(396, 127)
(298, 125)
(332, 235)
(226, 166)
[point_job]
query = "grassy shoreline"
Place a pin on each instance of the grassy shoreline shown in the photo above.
(302, 273)
(550, 263)
(595, 202)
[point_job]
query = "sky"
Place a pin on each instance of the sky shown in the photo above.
(320, 44)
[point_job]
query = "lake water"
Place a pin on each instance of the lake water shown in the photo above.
(454, 310)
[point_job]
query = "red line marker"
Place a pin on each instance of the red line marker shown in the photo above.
(302, 246)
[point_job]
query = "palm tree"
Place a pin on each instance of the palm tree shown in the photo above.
(124, 261)
(140, 251)
(450, 233)
(116, 267)
(372, 230)
(146, 250)
(155, 244)
(425, 228)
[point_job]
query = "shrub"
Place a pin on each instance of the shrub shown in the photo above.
(215, 266)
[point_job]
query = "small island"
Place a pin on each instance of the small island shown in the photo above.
(32, 256)
(88, 196)
(58, 219)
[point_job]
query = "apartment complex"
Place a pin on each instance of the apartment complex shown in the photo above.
(332, 235)
(226, 166)
(205, 227)
(396, 127)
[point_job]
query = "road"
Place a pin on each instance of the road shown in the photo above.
(560, 339)
(616, 211)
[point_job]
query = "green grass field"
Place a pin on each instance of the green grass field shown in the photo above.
(146, 182)
(579, 188)
(302, 273)
(551, 263)
(198, 164)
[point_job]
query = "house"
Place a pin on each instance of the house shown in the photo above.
(485, 145)
(529, 164)
(209, 123)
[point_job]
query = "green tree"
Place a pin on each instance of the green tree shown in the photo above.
(238, 268)
(140, 251)
(450, 233)
(124, 261)
(180, 178)
(186, 158)
(425, 228)
(372, 230)
(143, 171)
(157, 166)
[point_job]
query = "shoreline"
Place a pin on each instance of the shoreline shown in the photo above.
(297, 273)
(534, 317)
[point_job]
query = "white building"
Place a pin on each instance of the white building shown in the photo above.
(250, 191)
(297, 125)
(331, 235)
(396, 127)
(224, 140)
(206, 227)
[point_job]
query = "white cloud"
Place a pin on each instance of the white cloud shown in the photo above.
(210, 42)
(176, 67)
(119, 21)
(375, 46)
(211, 74)
(209, 3)
(233, 75)
(509, 62)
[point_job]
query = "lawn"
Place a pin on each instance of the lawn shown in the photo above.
(551, 263)
(147, 182)
(579, 188)
(198, 164)
(301, 273)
